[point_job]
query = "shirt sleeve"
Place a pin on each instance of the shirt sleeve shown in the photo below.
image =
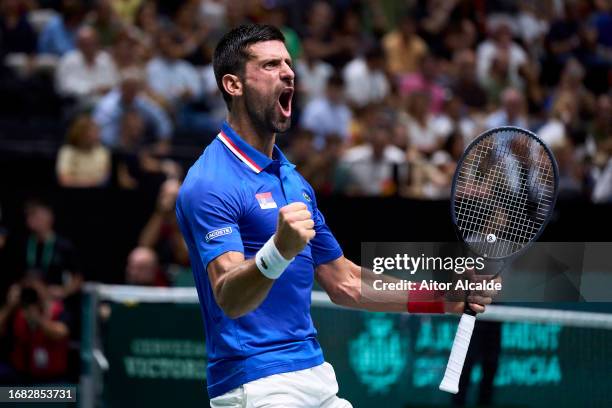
(209, 219)
(324, 246)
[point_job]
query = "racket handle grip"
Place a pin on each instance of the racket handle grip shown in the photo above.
(450, 382)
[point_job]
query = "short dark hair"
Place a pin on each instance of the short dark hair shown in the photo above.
(231, 54)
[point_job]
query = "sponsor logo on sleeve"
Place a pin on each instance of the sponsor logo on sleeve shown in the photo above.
(218, 233)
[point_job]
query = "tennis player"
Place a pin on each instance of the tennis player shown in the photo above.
(257, 240)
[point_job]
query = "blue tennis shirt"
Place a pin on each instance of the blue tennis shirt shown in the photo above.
(229, 201)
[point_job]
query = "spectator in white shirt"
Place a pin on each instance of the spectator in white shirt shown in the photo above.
(421, 131)
(329, 114)
(87, 72)
(311, 76)
(172, 78)
(365, 78)
(499, 42)
(371, 167)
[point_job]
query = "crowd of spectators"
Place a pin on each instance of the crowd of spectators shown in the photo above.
(134, 79)
(389, 93)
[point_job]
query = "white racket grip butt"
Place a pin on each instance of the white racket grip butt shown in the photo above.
(450, 382)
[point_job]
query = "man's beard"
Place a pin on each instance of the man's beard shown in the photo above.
(264, 113)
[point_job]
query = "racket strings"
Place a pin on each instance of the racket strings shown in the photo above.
(504, 192)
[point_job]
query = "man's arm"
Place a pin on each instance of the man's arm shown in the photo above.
(239, 286)
(350, 285)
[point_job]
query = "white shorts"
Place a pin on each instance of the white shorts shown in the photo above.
(310, 388)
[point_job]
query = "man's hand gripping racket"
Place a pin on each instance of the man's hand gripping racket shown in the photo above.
(503, 195)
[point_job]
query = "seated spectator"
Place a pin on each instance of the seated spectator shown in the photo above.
(147, 22)
(16, 33)
(465, 84)
(143, 268)
(572, 82)
(136, 159)
(365, 79)
(128, 51)
(562, 41)
(59, 35)
(172, 78)
(83, 161)
(571, 172)
(321, 41)
(109, 111)
(403, 47)
(371, 167)
(191, 32)
(511, 113)
(47, 255)
(328, 115)
(496, 80)
(106, 23)
(600, 130)
(39, 333)
(500, 42)
(161, 233)
(86, 73)
(424, 81)
(455, 119)
(421, 131)
(602, 192)
(431, 178)
(563, 116)
(312, 76)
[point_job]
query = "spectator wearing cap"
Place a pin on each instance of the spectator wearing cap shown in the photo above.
(328, 115)
(87, 72)
(365, 79)
(130, 95)
(83, 161)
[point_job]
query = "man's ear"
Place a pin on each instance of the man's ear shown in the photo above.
(232, 84)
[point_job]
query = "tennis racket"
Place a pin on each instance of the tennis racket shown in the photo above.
(503, 194)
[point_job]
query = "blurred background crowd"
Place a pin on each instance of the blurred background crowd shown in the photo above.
(121, 94)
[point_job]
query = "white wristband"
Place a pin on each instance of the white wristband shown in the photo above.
(269, 260)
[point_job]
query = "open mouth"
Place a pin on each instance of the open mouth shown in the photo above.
(284, 101)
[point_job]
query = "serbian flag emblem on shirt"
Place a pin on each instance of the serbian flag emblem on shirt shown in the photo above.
(265, 200)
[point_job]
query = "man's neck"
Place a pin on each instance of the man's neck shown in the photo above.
(259, 139)
(44, 236)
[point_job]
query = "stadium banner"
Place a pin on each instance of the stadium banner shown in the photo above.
(156, 357)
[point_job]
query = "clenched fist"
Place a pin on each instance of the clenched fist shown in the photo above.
(295, 228)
